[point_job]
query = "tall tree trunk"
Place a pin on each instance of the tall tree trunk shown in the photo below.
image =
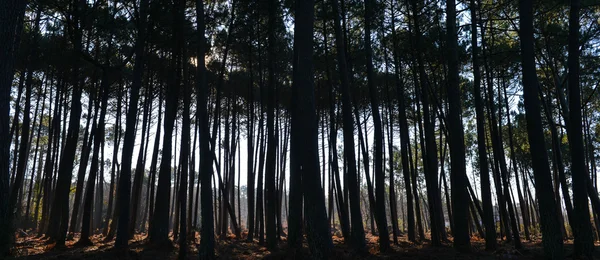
(343, 203)
(207, 236)
(392, 186)
(117, 140)
(404, 145)
(154, 162)
(185, 142)
(271, 141)
(59, 217)
(85, 154)
(488, 210)
(260, 182)
(140, 167)
(11, 18)
(42, 169)
(384, 243)
(25, 140)
(404, 135)
(100, 192)
(305, 133)
(552, 239)
(296, 220)
(515, 168)
(98, 133)
(251, 174)
(458, 174)
(498, 151)
(49, 163)
(413, 169)
(364, 149)
(429, 148)
(36, 161)
(124, 187)
(150, 183)
(584, 241)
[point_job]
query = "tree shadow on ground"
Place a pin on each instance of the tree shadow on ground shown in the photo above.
(232, 248)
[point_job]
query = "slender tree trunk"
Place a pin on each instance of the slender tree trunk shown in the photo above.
(497, 165)
(59, 217)
(185, 143)
(404, 136)
(384, 243)
(488, 210)
(584, 241)
(23, 155)
(85, 152)
(138, 177)
(271, 141)
(98, 133)
(207, 236)
(117, 140)
(429, 147)
(392, 191)
(343, 204)
(36, 161)
(515, 168)
(124, 188)
(364, 149)
(49, 164)
(251, 174)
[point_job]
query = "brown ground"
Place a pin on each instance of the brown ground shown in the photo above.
(230, 248)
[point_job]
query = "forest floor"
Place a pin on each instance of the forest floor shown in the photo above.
(30, 247)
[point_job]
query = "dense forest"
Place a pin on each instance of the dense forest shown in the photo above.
(299, 129)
